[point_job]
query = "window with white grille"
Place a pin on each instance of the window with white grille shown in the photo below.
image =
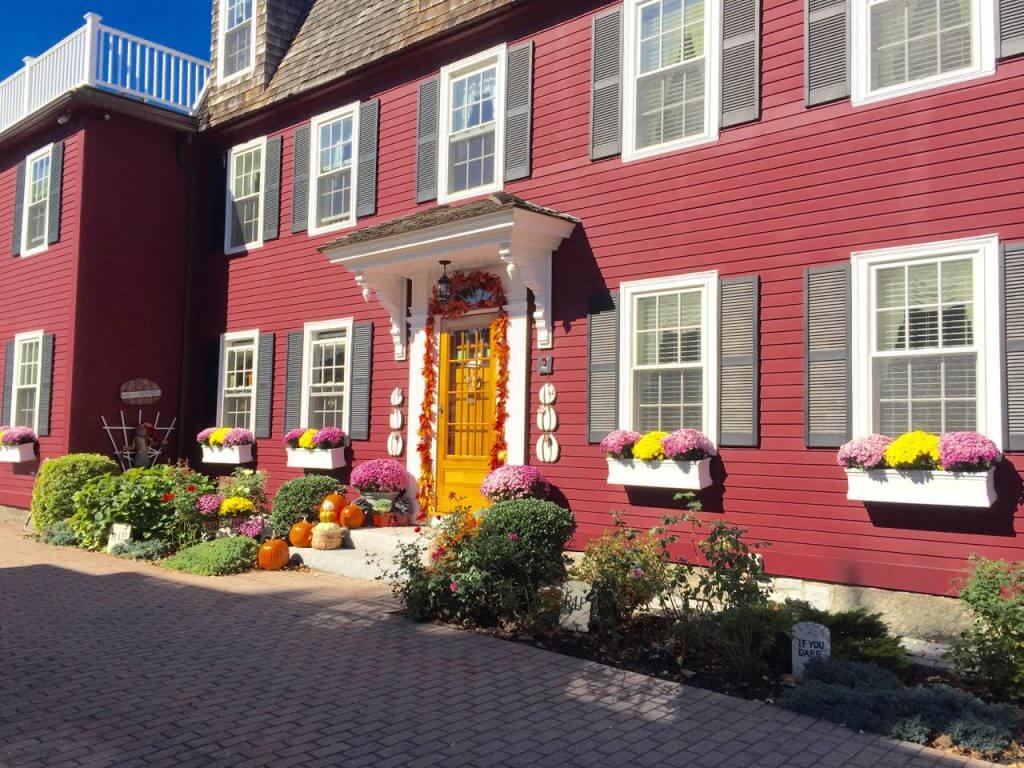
(238, 380)
(244, 224)
(333, 176)
(28, 351)
(326, 374)
(37, 201)
(671, 75)
(238, 37)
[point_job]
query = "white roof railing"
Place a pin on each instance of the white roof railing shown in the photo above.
(102, 57)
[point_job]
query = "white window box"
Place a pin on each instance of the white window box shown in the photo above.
(227, 454)
(683, 475)
(17, 454)
(316, 458)
(922, 486)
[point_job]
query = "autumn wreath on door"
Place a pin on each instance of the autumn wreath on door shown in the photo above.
(469, 291)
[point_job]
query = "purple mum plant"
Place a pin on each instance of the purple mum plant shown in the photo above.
(203, 438)
(687, 445)
(967, 452)
(239, 437)
(17, 436)
(209, 504)
(329, 437)
(864, 452)
(380, 476)
(514, 481)
(251, 527)
(291, 437)
(619, 444)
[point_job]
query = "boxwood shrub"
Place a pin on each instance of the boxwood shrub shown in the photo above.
(299, 499)
(59, 479)
(216, 558)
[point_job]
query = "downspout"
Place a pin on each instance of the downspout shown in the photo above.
(185, 158)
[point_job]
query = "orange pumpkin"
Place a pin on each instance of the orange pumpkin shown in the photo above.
(353, 516)
(301, 534)
(274, 555)
(330, 508)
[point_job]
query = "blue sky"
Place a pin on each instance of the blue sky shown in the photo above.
(29, 28)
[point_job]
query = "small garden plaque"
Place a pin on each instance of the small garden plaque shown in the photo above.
(810, 641)
(575, 613)
(119, 534)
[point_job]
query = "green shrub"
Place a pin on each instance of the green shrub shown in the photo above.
(866, 697)
(220, 557)
(59, 534)
(299, 499)
(989, 655)
(154, 549)
(59, 479)
(136, 498)
(857, 634)
(523, 540)
(187, 486)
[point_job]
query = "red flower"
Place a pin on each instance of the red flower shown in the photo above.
(417, 529)
(191, 489)
(454, 587)
(168, 497)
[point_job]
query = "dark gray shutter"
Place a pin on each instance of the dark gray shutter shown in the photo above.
(5, 415)
(1013, 325)
(366, 194)
(300, 180)
(19, 209)
(217, 192)
(362, 367)
(426, 140)
(1010, 21)
(826, 50)
(45, 384)
(606, 85)
(56, 183)
(741, 61)
(827, 356)
(272, 189)
(518, 108)
(739, 345)
(293, 382)
(602, 365)
(264, 384)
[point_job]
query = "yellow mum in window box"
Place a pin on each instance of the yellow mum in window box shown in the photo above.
(648, 447)
(914, 450)
(217, 438)
(306, 441)
(236, 506)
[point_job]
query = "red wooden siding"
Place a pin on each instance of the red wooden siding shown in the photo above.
(799, 187)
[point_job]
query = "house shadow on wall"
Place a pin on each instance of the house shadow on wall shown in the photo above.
(712, 498)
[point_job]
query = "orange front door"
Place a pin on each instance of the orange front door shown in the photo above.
(465, 419)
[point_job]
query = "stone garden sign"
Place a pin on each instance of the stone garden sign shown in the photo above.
(119, 534)
(810, 641)
(576, 605)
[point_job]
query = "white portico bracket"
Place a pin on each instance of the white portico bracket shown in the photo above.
(532, 267)
(393, 294)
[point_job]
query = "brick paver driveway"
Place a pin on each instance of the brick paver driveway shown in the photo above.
(110, 663)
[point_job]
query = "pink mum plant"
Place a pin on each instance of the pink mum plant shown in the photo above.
(864, 452)
(203, 438)
(687, 445)
(619, 444)
(239, 437)
(291, 437)
(967, 452)
(208, 504)
(514, 481)
(380, 476)
(329, 437)
(18, 436)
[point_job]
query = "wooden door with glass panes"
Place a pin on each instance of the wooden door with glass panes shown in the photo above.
(465, 415)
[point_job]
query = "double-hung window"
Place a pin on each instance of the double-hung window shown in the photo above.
(28, 366)
(901, 46)
(333, 178)
(238, 380)
(671, 78)
(927, 344)
(37, 201)
(325, 375)
(238, 37)
(668, 350)
(472, 125)
(244, 223)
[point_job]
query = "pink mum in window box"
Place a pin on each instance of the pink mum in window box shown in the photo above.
(239, 437)
(967, 452)
(687, 445)
(291, 437)
(864, 452)
(203, 438)
(17, 436)
(619, 444)
(380, 476)
(329, 437)
(514, 481)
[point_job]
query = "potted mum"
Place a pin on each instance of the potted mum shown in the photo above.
(956, 469)
(514, 481)
(226, 445)
(680, 460)
(316, 448)
(17, 445)
(380, 482)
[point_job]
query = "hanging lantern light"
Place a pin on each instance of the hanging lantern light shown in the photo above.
(444, 285)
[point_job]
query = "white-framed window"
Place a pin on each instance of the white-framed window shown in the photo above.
(334, 139)
(239, 361)
(36, 205)
(237, 43)
(243, 222)
(671, 75)
(668, 354)
(326, 373)
(28, 369)
(926, 342)
(471, 152)
(903, 46)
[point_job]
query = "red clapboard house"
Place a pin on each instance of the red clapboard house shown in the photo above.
(783, 223)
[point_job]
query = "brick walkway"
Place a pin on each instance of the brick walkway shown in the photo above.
(110, 663)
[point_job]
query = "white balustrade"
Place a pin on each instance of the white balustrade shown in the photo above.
(105, 58)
